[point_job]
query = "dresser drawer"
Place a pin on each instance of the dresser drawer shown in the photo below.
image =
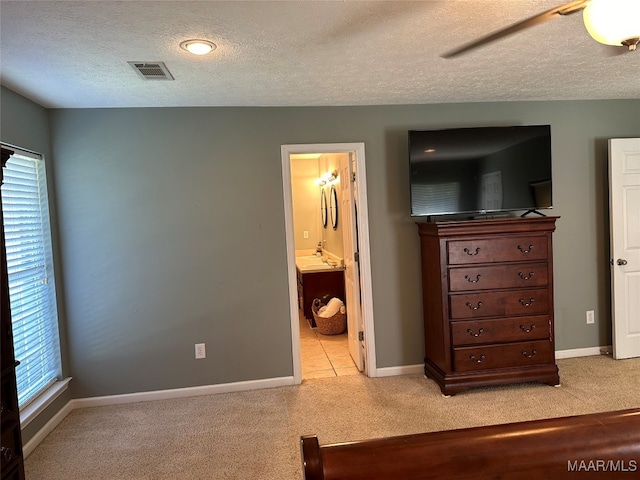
(8, 400)
(495, 250)
(469, 359)
(14, 474)
(500, 330)
(492, 277)
(499, 304)
(11, 448)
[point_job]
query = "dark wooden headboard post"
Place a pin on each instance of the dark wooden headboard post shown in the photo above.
(6, 154)
(11, 455)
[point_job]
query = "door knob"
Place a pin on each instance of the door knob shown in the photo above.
(622, 261)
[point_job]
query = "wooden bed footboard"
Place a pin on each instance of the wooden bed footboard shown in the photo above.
(601, 445)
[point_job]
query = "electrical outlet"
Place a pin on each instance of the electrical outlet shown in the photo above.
(305, 233)
(591, 317)
(200, 351)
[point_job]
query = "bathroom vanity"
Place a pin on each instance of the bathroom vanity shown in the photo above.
(317, 280)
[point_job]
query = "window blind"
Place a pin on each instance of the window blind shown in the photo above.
(30, 269)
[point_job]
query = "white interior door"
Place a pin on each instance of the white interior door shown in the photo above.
(624, 191)
(351, 273)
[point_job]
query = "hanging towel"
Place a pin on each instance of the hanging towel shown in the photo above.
(334, 306)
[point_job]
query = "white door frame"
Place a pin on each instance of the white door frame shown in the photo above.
(365, 254)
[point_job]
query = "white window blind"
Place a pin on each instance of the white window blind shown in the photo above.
(29, 264)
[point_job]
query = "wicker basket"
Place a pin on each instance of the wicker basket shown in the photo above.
(334, 325)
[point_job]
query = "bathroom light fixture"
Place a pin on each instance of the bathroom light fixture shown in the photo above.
(198, 47)
(328, 177)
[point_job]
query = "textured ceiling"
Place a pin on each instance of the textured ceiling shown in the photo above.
(300, 53)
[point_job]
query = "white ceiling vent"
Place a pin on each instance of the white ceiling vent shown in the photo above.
(152, 70)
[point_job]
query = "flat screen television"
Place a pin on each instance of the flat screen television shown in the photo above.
(480, 171)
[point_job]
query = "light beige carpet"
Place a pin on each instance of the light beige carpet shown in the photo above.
(255, 435)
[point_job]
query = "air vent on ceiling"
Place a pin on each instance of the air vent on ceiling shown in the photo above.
(152, 70)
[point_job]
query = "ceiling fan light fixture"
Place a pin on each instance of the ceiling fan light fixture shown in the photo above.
(198, 47)
(613, 22)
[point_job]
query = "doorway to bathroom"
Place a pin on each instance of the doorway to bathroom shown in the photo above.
(337, 228)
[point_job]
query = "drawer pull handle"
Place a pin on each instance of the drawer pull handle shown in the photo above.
(525, 250)
(480, 332)
(468, 252)
(527, 330)
(525, 276)
(474, 307)
(471, 280)
(524, 303)
(7, 454)
(479, 360)
(528, 355)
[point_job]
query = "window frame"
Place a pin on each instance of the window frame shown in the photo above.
(32, 383)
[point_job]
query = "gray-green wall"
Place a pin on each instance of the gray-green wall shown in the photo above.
(171, 229)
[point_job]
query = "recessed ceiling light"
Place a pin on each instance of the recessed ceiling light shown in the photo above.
(198, 47)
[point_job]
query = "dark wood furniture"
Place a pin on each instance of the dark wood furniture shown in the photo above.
(11, 460)
(602, 445)
(487, 289)
(312, 285)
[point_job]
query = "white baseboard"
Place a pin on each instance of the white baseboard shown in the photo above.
(47, 429)
(584, 352)
(401, 370)
(182, 392)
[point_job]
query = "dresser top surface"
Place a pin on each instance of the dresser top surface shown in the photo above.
(488, 226)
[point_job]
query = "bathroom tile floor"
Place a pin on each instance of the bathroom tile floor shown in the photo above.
(324, 355)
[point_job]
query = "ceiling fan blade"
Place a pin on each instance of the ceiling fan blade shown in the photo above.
(564, 9)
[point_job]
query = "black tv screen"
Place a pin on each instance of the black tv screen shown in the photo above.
(480, 170)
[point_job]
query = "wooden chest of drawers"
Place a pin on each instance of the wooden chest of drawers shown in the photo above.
(487, 289)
